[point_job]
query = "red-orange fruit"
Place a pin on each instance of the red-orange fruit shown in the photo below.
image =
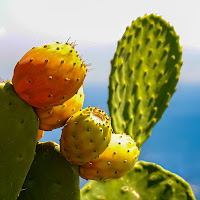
(49, 75)
(56, 116)
(40, 134)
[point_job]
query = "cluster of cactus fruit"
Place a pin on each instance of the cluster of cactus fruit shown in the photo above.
(46, 92)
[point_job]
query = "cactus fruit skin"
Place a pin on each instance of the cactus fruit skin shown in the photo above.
(118, 158)
(40, 134)
(145, 71)
(85, 135)
(19, 125)
(56, 116)
(144, 182)
(51, 176)
(49, 75)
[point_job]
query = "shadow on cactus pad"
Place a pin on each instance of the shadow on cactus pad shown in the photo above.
(51, 176)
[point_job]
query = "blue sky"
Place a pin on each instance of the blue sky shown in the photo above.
(96, 26)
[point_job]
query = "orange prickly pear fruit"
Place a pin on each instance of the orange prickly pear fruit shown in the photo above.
(85, 135)
(118, 158)
(49, 75)
(56, 116)
(40, 134)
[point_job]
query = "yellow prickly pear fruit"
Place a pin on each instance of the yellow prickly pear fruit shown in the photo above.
(85, 135)
(118, 158)
(56, 116)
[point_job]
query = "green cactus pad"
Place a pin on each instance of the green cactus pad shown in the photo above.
(146, 181)
(19, 126)
(51, 176)
(145, 71)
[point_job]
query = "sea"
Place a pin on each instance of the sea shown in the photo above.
(175, 140)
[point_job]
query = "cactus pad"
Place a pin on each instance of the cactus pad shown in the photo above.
(145, 71)
(144, 182)
(19, 126)
(51, 176)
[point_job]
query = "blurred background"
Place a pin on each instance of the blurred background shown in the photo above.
(96, 26)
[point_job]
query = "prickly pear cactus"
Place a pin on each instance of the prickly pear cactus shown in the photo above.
(51, 176)
(144, 182)
(144, 74)
(19, 126)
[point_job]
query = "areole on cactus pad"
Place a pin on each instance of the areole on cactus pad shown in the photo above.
(49, 75)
